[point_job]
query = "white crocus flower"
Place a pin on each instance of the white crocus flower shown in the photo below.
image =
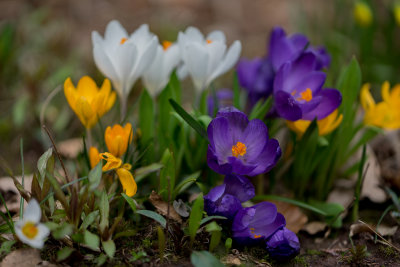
(29, 229)
(123, 58)
(206, 58)
(156, 77)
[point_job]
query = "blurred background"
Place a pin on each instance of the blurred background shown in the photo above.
(44, 42)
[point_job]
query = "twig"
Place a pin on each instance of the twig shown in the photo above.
(383, 239)
(58, 154)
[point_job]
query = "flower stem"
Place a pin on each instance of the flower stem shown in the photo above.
(88, 139)
(123, 108)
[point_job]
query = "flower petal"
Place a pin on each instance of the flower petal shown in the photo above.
(331, 100)
(128, 183)
(32, 212)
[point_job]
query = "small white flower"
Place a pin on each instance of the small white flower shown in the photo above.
(123, 58)
(206, 58)
(29, 229)
(156, 77)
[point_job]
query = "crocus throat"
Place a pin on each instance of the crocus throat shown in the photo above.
(239, 149)
(30, 230)
(208, 41)
(253, 233)
(166, 45)
(306, 95)
(123, 40)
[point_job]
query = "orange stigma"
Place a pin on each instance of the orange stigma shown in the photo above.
(306, 95)
(239, 149)
(208, 41)
(166, 45)
(30, 230)
(123, 40)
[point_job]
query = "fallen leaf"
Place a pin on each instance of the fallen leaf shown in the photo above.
(11, 194)
(26, 257)
(385, 230)
(295, 218)
(70, 148)
(162, 207)
(314, 228)
(342, 193)
(231, 260)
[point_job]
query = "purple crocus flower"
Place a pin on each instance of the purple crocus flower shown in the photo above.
(225, 200)
(257, 77)
(224, 99)
(284, 48)
(298, 91)
(239, 146)
(283, 245)
(253, 225)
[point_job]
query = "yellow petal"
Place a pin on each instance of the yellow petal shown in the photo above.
(332, 125)
(367, 101)
(299, 126)
(128, 183)
(94, 157)
(70, 93)
(112, 162)
(85, 112)
(87, 87)
(385, 91)
(128, 131)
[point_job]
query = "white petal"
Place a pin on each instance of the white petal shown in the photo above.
(105, 65)
(43, 231)
(152, 77)
(125, 60)
(217, 36)
(231, 57)
(32, 212)
(216, 52)
(96, 38)
(196, 59)
(115, 32)
(194, 35)
(142, 37)
(144, 60)
(182, 71)
(36, 242)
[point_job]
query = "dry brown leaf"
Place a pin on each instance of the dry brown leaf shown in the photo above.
(162, 207)
(342, 193)
(357, 228)
(70, 148)
(314, 228)
(231, 260)
(295, 218)
(26, 257)
(11, 194)
(385, 230)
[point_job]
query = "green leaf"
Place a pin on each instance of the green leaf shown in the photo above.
(52, 225)
(104, 211)
(64, 230)
(146, 116)
(5, 228)
(291, 201)
(64, 253)
(261, 109)
(236, 92)
(42, 164)
(91, 240)
(213, 226)
(185, 183)
(195, 217)
(153, 215)
(204, 258)
(126, 233)
(89, 219)
(332, 210)
(210, 218)
(6, 246)
(167, 175)
(109, 248)
(142, 172)
(228, 244)
(189, 119)
(130, 201)
(161, 241)
(101, 259)
(95, 176)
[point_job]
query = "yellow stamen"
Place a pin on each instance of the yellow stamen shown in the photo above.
(123, 40)
(294, 92)
(166, 45)
(208, 41)
(306, 95)
(239, 149)
(30, 230)
(257, 236)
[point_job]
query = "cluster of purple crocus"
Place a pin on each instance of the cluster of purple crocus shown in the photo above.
(238, 148)
(292, 74)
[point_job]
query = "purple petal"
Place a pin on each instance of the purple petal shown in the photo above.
(268, 158)
(283, 245)
(240, 187)
(255, 137)
(331, 100)
(247, 71)
(299, 41)
(239, 167)
(213, 163)
(221, 141)
(215, 193)
(287, 107)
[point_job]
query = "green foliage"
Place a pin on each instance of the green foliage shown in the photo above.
(44, 160)
(260, 110)
(195, 217)
(91, 240)
(161, 242)
(6, 246)
(89, 219)
(228, 244)
(63, 230)
(94, 176)
(204, 258)
(130, 201)
(153, 215)
(215, 231)
(64, 253)
(109, 247)
(167, 175)
(146, 123)
(104, 207)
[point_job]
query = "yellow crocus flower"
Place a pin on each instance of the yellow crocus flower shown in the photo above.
(385, 114)
(88, 101)
(325, 126)
(113, 163)
(118, 138)
(362, 14)
(396, 13)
